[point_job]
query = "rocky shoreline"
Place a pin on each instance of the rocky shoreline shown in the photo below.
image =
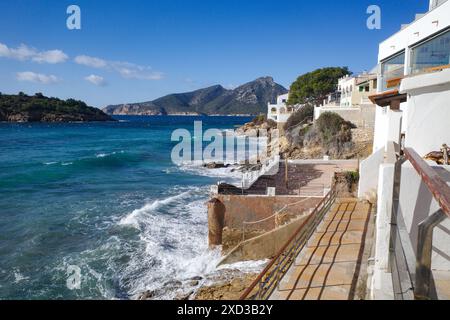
(224, 285)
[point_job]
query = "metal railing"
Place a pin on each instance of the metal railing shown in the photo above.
(273, 273)
(420, 282)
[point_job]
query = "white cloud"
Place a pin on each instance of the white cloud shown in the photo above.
(91, 62)
(97, 80)
(24, 53)
(126, 69)
(52, 56)
(36, 77)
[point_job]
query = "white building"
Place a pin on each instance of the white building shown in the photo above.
(355, 90)
(413, 115)
(280, 112)
(351, 100)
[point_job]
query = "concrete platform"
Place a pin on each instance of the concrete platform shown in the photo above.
(329, 266)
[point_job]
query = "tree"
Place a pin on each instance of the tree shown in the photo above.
(313, 87)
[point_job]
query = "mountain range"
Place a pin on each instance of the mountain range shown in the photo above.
(248, 99)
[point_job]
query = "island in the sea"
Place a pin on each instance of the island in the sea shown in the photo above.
(39, 108)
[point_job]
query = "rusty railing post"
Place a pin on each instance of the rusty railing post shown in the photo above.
(424, 252)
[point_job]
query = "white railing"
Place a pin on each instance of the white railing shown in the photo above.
(270, 167)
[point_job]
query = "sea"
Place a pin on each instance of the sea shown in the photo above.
(100, 211)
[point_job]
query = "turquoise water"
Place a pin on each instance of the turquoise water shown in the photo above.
(104, 197)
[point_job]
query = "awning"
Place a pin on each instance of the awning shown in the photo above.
(389, 98)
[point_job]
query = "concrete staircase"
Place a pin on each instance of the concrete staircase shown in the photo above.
(331, 266)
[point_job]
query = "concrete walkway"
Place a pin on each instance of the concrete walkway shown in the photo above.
(329, 266)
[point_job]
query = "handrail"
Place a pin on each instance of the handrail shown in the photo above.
(440, 191)
(438, 187)
(284, 254)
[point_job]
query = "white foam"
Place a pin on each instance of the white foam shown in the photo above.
(230, 175)
(18, 277)
(138, 215)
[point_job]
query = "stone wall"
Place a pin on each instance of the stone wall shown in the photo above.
(362, 116)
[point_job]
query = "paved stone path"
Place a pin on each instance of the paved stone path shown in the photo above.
(329, 266)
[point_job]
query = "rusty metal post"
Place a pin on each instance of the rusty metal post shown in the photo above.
(424, 252)
(286, 175)
(445, 153)
(216, 221)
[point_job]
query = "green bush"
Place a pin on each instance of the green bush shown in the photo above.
(332, 127)
(352, 177)
(260, 119)
(300, 116)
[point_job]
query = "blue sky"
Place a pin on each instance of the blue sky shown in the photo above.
(136, 50)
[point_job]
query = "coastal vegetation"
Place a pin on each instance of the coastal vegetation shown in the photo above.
(301, 116)
(329, 135)
(313, 87)
(39, 108)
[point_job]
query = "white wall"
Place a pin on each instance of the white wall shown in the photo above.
(432, 22)
(416, 204)
(427, 121)
(369, 173)
(362, 116)
(381, 286)
(388, 126)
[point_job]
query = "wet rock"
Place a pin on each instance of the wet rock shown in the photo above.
(183, 296)
(230, 286)
(173, 284)
(147, 295)
(214, 165)
(193, 283)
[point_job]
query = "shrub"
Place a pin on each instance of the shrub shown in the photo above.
(352, 177)
(303, 115)
(332, 126)
(272, 124)
(260, 119)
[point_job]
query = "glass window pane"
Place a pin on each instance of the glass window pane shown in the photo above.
(392, 69)
(433, 53)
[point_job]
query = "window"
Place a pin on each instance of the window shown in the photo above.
(392, 70)
(432, 53)
(367, 88)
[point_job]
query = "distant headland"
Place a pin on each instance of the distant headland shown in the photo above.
(38, 108)
(248, 99)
